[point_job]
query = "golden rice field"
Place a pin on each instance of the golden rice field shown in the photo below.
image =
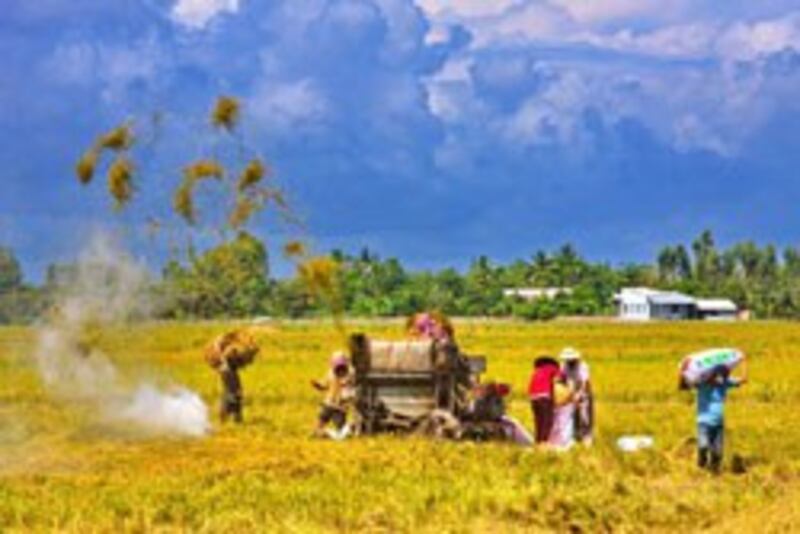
(61, 469)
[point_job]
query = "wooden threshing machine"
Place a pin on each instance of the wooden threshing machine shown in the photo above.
(400, 385)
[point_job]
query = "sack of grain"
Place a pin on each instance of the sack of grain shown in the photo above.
(237, 348)
(696, 367)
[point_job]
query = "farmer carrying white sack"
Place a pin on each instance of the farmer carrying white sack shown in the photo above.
(710, 373)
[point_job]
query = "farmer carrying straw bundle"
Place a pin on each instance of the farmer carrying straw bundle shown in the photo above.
(227, 354)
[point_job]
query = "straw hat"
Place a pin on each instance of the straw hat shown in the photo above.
(569, 355)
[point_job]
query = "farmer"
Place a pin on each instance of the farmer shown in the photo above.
(228, 354)
(562, 434)
(431, 325)
(711, 394)
(540, 391)
(576, 372)
(337, 386)
(231, 404)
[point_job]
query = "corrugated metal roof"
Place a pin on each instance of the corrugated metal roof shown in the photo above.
(722, 305)
(671, 299)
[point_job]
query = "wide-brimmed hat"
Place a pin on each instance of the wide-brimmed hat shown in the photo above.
(569, 355)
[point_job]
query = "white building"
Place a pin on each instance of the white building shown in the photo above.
(646, 304)
(534, 293)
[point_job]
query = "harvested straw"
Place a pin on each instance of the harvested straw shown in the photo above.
(225, 113)
(183, 199)
(183, 202)
(294, 249)
(120, 181)
(86, 166)
(118, 139)
(244, 209)
(251, 175)
(202, 169)
(237, 348)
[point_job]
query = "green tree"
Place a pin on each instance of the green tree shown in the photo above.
(10, 271)
(230, 279)
(482, 288)
(706, 258)
(667, 264)
(791, 260)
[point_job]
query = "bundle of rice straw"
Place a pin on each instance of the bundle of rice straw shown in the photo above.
(237, 348)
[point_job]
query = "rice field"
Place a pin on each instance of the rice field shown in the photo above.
(62, 468)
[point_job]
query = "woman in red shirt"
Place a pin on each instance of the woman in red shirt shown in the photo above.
(540, 391)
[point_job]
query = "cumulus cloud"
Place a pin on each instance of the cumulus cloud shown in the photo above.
(529, 73)
(466, 8)
(196, 14)
(513, 101)
(535, 70)
(750, 40)
(591, 12)
(283, 106)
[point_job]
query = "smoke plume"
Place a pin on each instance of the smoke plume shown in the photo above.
(106, 288)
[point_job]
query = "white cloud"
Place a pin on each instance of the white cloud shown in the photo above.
(404, 24)
(280, 106)
(748, 41)
(737, 41)
(501, 20)
(437, 34)
(554, 116)
(465, 8)
(596, 11)
(690, 132)
(534, 22)
(705, 101)
(680, 41)
(196, 14)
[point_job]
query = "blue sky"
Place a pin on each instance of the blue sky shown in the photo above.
(430, 130)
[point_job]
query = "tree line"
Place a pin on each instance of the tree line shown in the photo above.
(233, 280)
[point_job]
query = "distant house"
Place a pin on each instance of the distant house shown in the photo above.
(646, 304)
(535, 293)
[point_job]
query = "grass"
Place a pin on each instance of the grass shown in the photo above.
(60, 469)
